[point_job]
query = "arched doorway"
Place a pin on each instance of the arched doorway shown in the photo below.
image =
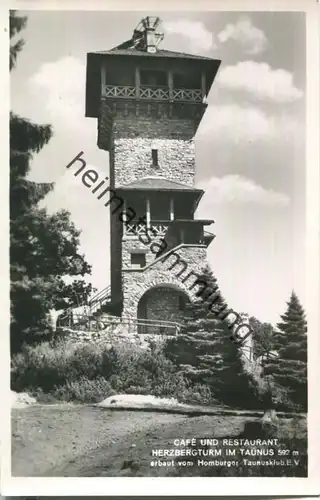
(161, 304)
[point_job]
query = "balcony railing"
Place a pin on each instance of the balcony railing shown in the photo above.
(153, 93)
(159, 228)
(160, 94)
(187, 95)
(117, 91)
(156, 228)
(135, 229)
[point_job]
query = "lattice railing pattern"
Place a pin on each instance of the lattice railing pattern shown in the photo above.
(156, 93)
(156, 229)
(187, 95)
(135, 229)
(117, 91)
(159, 229)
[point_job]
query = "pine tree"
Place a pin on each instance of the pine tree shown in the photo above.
(26, 139)
(17, 23)
(289, 369)
(43, 248)
(206, 352)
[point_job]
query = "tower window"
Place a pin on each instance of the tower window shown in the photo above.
(138, 259)
(154, 157)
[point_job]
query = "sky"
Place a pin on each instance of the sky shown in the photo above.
(250, 145)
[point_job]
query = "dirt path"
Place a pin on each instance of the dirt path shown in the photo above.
(83, 441)
(74, 440)
(65, 440)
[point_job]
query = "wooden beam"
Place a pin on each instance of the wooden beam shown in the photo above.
(148, 214)
(137, 82)
(203, 84)
(103, 79)
(171, 208)
(124, 217)
(170, 84)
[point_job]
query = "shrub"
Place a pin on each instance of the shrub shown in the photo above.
(40, 366)
(47, 367)
(146, 370)
(281, 398)
(81, 373)
(138, 390)
(90, 373)
(198, 394)
(41, 397)
(84, 390)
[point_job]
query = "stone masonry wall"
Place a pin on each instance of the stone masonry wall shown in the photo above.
(130, 244)
(136, 283)
(151, 120)
(151, 127)
(109, 338)
(133, 160)
(164, 303)
(133, 138)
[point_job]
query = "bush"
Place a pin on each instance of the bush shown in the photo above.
(87, 373)
(48, 367)
(198, 394)
(146, 372)
(39, 367)
(41, 397)
(273, 395)
(281, 398)
(84, 390)
(90, 373)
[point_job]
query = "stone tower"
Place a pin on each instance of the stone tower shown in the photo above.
(149, 103)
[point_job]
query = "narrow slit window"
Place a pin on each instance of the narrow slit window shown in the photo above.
(154, 157)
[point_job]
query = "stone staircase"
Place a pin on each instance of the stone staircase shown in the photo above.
(101, 303)
(97, 317)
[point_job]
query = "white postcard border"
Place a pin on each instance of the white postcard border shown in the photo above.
(176, 486)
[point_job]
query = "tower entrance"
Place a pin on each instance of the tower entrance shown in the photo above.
(162, 303)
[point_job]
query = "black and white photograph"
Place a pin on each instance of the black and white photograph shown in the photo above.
(159, 299)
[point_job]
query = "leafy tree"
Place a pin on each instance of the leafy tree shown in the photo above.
(43, 248)
(206, 354)
(289, 369)
(263, 333)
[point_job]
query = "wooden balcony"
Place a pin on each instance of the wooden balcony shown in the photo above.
(156, 228)
(189, 232)
(152, 93)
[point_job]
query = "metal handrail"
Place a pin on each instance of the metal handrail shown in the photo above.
(116, 319)
(126, 319)
(79, 320)
(159, 322)
(100, 295)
